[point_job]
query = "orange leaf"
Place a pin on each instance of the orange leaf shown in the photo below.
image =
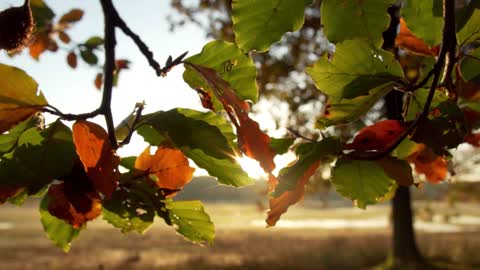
(75, 207)
(428, 163)
(39, 46)
(7, 192)
(97, 155)
(251, 140)
(98, 81)
(169, 165)
(408, 41)
(378, 136)
(280, 205)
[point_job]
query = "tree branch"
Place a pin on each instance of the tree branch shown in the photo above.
(448, 35)
(109, 68)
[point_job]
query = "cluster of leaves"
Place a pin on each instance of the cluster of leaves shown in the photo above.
(78, 171)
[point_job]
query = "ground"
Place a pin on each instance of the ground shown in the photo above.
(303, 242)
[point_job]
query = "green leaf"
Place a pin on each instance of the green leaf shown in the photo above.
(206, 138)
(425, 20)
(348, 110)
(258, 23)
(281, 145)
(419, 98)
(362, 181)
(128, 162)
(40, 157)
(470, 66)
(42, 14)
(19, 97)
(125, 215)
(94, 42)
(355, 19)
(191, 220)
(233, 65)
(89, 57)
(57, 230)
(9, 140)
(469, 30)
(308, 154)
(355, 70)
(405, 149)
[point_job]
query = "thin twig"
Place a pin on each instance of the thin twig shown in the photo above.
(138, 115)
(448, 35)
(68, 116)
(120, 23)
(298, 135)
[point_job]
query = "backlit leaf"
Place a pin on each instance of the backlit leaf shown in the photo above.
(378, 136)
(425, 19)
(74, 206)
(9, 140)
(60, 232)
(355, 70)
(39, 157)
(191, 221)
(426, 162)
(470, 31)
(348, 110)
(399, 170)
(19, 97)
(251, 140)
(470, 66)
(169, 165)
(231, 64)
(257, 24)
(206, 138)
(364, 182)
(345, 20)
(281, 145)
(292, 179)
(408, 41)
(72, 16)
(97, 155)
(123, 215)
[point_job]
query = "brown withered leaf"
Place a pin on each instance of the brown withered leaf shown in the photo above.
(280, 204)
(408, 41)
(72, 59)
(169, 166)
(251, 140)
(378, 136)
(74, 206)
(426, 162)
(97, 155)
(98, 81)
(7, 192)
(64, 37)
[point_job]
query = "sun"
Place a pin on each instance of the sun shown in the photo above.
(251, 167)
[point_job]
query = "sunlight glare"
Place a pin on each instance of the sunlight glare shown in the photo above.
(252, 168)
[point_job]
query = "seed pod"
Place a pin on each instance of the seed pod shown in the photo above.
(16, 27)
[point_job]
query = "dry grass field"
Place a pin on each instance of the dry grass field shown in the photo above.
(240, 243)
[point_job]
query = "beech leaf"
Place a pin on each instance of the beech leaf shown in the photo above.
(19, 97)
(97, 155)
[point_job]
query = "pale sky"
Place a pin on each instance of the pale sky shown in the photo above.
(73, 91)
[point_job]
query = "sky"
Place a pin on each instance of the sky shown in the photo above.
(73, 91)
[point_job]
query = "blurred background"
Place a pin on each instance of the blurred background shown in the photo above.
(325, 231)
